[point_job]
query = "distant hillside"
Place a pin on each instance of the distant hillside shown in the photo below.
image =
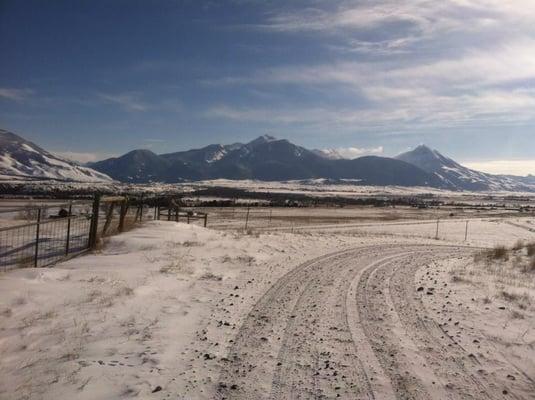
(22, 159)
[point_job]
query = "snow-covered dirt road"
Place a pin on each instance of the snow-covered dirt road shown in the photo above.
(177, 311)
(352, 324)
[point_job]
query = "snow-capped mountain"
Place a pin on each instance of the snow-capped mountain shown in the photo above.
(22, 159)
(458, 177)
(265, 158)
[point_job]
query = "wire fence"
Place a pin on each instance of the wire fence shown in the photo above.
(39, 236)
(45, 240)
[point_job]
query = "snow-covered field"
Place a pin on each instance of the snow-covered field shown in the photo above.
(171, 310)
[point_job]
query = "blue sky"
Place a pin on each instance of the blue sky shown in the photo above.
(96, 78)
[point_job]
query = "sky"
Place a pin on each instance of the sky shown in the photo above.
(91, 79)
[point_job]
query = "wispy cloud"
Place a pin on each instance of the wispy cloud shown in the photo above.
(354, 152)
(128, 101)
(14, 94)
(447, 63)
(82, 157)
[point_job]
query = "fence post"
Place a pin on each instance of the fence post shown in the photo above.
(169, 213)
(466, 232)
(155, 209)
(159, 212)
(68, 230)
(247, 218)
(188, 217)
(141, 209)
(109, 217)
(37, 237)
(205, 219)
(177, 211)
(270, 215)
(93, 230)
(122, 215)
(436, 235)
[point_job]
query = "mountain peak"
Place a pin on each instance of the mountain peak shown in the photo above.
(422, 148)
(262, 139)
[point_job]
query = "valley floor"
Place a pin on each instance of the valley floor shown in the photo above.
(380, 311)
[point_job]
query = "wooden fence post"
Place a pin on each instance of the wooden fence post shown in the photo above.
(466, 232)
(122, 215)
(67, 244)
(205, 219)
(141, 209)
(109, 216)
(93, 230)
(37, 228)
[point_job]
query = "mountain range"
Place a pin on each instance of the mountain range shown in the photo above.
(265, 158)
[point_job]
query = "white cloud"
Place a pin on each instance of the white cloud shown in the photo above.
(507, 167)
(83, 157)
(15, 94)
(128, 101)
(354, 152)
(457, 63)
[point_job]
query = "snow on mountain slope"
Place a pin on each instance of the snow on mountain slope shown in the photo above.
(456, 176)
(23, 159)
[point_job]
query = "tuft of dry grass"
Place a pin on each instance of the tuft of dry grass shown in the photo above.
(210, 276)
(530, 248)
(499, 252)
(519, 245)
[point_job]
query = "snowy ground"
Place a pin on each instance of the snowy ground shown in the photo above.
(177, 311)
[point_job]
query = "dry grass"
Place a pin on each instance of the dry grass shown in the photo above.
(499, 253)
(26, 261)
(519, 245)
(530, 248)
(210, 276)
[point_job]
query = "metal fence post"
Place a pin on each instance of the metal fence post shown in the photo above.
(93, 230)
(68, 230)
(37, 237)
(466, 232)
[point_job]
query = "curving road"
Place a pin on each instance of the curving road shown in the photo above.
(352, 325)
